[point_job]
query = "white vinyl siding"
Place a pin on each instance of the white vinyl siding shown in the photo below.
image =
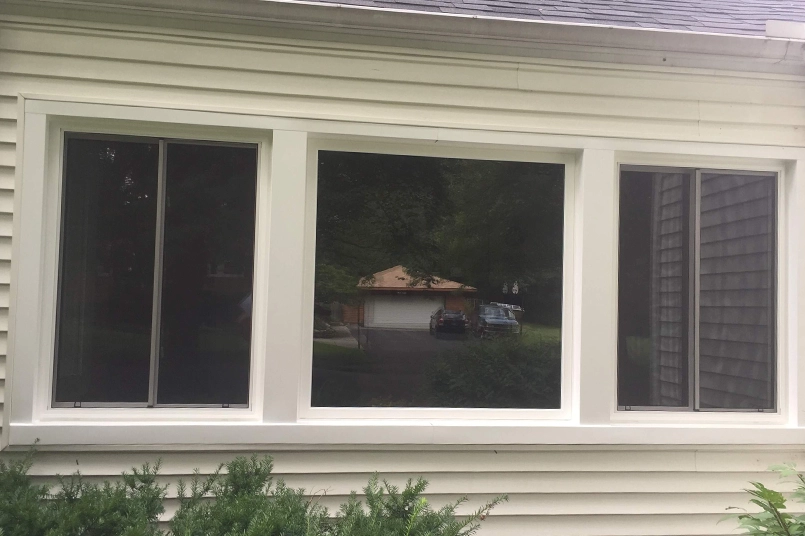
(8, 137)
(401, 311)
(599, 491)
(567, 490)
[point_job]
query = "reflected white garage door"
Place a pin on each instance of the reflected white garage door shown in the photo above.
(401, 311)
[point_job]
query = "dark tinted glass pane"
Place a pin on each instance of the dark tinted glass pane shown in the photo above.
(737, 291)
(438, 282)
(107, 271)
(653, 289)
(208, 257)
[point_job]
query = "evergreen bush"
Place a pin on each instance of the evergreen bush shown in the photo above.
(239, 499)
(513, 372)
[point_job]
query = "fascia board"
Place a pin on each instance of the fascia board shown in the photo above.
(440, 31)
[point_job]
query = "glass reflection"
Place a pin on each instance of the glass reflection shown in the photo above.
(207, 274)
(738, 287)
(438, 282)
(653, 290)
(107, 271)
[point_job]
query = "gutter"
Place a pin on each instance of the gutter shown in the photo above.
(782, 50)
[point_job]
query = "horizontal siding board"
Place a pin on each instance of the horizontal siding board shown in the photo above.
(4, 298)
(8, 106)
(442, 483)
(6, 201)
(7, 154)
(760, 243)
(400, 461)
(338, 87)
(608, 525)
(548, 505)
(8, 130)
(6, 177)
(714, 182)
(6, 223)
(5, 248)
(363, 110)
(600, 463)
(720, 90)
(299, 60)
(735, 315)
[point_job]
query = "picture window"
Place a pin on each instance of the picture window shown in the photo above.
(438, 282)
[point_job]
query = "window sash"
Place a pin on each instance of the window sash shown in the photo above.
(694, 291)
(156, 310)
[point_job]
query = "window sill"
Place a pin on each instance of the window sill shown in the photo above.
(148, 416)
(223, 434)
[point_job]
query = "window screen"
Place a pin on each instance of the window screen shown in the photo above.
(156, 272)
(696, 321)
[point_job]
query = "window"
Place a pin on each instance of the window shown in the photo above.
(142, 319)
(697, 290)
(239, 286)
(438, 282)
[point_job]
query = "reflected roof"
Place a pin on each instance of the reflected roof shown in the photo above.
(396, 278)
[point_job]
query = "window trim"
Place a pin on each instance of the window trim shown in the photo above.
(42, 404)
(274, 419)
(410, 148)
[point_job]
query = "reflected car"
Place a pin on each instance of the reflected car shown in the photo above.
(493, 320)
(447, 321)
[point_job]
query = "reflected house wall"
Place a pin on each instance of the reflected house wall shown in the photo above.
(737, 290)
(393, 299)
(224, 284)
(352, 314)
(669, 266)
(736, 333)
(455, 302)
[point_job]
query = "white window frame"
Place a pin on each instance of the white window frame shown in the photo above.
(785, 191)
(37, 276)
(279, 411)
(409, 148)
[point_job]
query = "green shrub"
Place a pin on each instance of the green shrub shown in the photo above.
(21, 502)
(129, 507)
(773, 520)
(244, 501)
(514, 372)
(239, 499)
(405, 513)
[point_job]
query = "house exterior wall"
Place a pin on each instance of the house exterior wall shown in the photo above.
(454, 302)
(595, 490)
(411, 310)
(352, 314)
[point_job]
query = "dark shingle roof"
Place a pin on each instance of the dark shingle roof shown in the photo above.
(744, 17)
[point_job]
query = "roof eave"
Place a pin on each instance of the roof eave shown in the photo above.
(455, 31)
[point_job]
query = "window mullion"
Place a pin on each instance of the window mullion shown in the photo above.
(156, 307)
(697, 211)
(692, 305)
